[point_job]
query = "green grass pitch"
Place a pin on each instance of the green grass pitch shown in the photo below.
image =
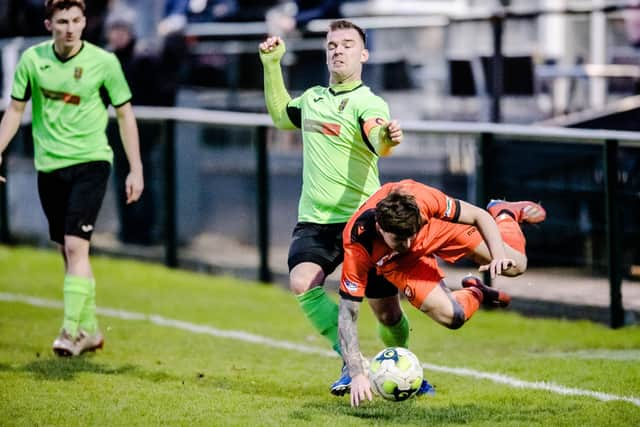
(191, 349)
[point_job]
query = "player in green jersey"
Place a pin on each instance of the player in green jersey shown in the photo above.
(345, 129)
(64, 80)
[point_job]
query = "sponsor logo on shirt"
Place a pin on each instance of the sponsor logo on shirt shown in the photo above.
(343, 104)
(67, 98)
(318, 99)
(351, 287)
(331, 129)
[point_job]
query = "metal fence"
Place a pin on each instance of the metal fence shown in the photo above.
(489, 140)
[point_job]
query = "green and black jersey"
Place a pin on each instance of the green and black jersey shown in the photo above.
(340, 165)
(68, 102)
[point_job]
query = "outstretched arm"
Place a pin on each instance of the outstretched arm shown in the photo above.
(473, 215)
(350, 347)
(130, 141)
(9, 125)
(275, 93)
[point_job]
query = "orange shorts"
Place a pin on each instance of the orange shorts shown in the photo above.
(416, 275)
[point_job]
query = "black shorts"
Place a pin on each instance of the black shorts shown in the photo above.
(321, 244)
(71, 198)
(378, 286)
(317, 243)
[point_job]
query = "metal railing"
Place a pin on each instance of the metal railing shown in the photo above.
(485, 134)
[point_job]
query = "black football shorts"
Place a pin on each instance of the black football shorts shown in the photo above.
(71, 198)
(317, 243)
(321, 244)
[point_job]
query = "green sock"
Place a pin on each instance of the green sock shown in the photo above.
(88, 320)
(322, 311)
(76, 293)
(396, 335)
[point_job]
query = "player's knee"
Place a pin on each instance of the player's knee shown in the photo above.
(297, 287)
(458, 318)
(389, 317)
(300, 285)
(303, 277)
(73, 250)
(519, 268)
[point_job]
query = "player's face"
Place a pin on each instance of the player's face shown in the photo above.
(396, 243)
(345, 55)
(66, 26)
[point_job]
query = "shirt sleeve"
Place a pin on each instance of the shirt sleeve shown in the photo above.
(372, 116)
(21, 90)
(115, 82)
(355, 271)
(435, 204)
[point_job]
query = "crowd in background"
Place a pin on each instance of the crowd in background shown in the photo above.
(152, 18)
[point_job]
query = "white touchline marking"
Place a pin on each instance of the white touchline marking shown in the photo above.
(537, 385)
(258, 339)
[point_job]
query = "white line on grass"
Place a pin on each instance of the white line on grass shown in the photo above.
(538, 385)
(257, 339)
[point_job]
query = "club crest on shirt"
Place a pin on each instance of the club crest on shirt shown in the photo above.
(77, 73)
(343, 104)
(351, 286)
(409, 293)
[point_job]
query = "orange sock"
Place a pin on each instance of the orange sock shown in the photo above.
(469, 299)
(511, 232)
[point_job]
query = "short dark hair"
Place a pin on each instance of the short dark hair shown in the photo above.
(398, 213)
(343, 24)
(50, 6)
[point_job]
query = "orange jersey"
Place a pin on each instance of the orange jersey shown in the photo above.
(366, 250)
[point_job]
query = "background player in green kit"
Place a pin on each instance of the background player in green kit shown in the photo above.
(64, 80)
(345, 128)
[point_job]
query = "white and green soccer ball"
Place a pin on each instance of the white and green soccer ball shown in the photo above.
(395, 373)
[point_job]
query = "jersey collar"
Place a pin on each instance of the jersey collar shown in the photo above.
(63, 60)
(340, 88)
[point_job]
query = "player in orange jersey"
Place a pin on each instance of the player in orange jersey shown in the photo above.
(391, 244)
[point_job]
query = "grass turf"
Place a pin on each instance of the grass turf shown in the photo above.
(150, 374)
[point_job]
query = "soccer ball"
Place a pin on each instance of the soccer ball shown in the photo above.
(395, 373)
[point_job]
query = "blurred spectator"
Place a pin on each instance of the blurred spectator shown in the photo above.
(96, 13)
(153, 76)
(212, 10)
(174, 17)
(149, 13)
(178, 12)
(296, 15)
(632, 23)
(631, 17)
(22, 18)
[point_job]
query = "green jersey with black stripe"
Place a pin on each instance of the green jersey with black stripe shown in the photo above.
(68, 102)
(340, 165)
